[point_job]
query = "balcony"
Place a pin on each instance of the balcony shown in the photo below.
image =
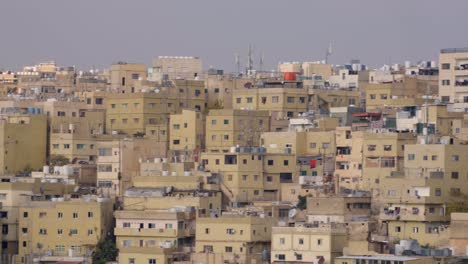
(153, 232)
(414, 214)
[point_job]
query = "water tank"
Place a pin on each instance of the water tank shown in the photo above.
(157, 160)
(165, 173)
(174, 173)
(46, 169)
(233, 149)
(289, 76)
(164, 160)
(187, 173)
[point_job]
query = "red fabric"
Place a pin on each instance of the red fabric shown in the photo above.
(313, 163)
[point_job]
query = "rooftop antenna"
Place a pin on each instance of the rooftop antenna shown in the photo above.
(237, 63)
(249, 60)
(329, 52)
(262, 59)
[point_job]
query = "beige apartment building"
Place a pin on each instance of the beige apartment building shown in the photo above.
(135, 113)
(453, 80)
(232, 239)
(124, 76)
(383, 153)
(187, 131)
(175, 67)
(322, 100)
(308, 243)
(349, 158)
(146, 235)
(283, 100)
(22, 142)
(57, 230)
(226, 128)
(16, 192)
(118, 162)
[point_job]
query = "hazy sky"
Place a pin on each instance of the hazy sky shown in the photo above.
(96, 33)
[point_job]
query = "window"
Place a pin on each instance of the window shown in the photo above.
(319, 242)
(230, 231)
(397, 229)
(131, 261)
(56, 146)
(75, 215)
(244, 177)
(434, 157)
(59, 231)
(66, 146)
(226, 122)
(60, 248)
(80, 146)
(256, 192)
(249, 99)
(213, 122)
(301, 241)
(90, 214)
(90, 232)
(25, 214)
(60, 215)
(126, 225)
(371, 147)
(298, 256)
(372, 96)
(275, 99)
(302, 100)
(176, 126)
(286, 162)
(290, 99)
(445, 82)
(454, 174)
(281, 257)
(228, 249)
(207, 230)
(445, 66)
(383, 96)
(411, 156)
(270, 162)
(312, 145)
(438, 192)
(387, 147)
(73, 231)
(455, 158)
(226, 137)
(238, 100)
(151, 261)
(124, 121)
(425, 157)
(136, 120)
(282, 241)
(325, 145)
(415, 229)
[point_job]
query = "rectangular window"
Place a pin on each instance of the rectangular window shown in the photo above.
(275, 99)
(80, 146)
(455, 158)
(411, 156)
(454, 174)
(290, 99)
(445, 66)
(228, 249)
(270, 162)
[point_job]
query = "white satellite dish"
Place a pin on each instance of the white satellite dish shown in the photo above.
(292, 213)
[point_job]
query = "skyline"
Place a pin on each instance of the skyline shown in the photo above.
(90, 38)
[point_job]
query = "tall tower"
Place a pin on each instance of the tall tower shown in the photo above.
(249, 61)
(329, 52)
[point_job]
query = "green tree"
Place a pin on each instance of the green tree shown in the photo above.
(58, 160)
(302, 203)
(105, 251)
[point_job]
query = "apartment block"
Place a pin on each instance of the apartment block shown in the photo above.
(123, 76)
(187, 131)
(453, 80)
(232, 239)
(54, 230)
(308, 243)
(226, 128)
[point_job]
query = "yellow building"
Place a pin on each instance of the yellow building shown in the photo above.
(283, 100)
(118, 161)
(15, 192)
(232, 239)
(123, 76)
(52, 230)
(187, 131)
(22, 142)
(385, 259)
(308, 243)
(144, 235)
(348, 168)
(226, 128)
(134, 113)
(453, 80)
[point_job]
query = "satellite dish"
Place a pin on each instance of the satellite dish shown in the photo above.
(292, 213)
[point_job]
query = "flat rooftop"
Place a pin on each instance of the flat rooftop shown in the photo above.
(454, 50)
